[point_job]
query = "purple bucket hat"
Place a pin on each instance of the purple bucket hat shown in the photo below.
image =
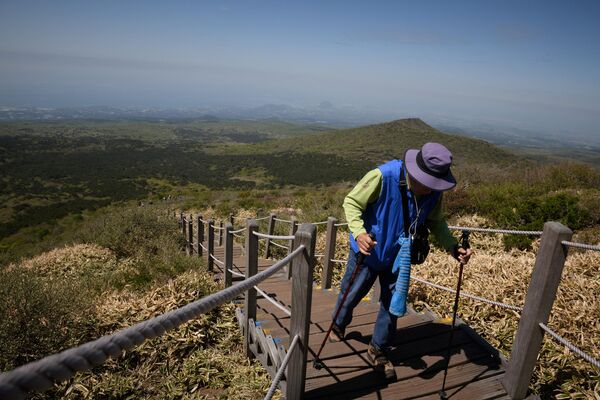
(430, 166)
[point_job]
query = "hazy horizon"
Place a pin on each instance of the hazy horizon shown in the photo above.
(533, 66)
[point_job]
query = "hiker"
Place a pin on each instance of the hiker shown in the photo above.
(375, 206)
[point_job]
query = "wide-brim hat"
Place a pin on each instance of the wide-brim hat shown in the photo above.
(430, 166)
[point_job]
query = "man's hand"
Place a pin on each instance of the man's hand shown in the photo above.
(365, 243)
(462, 255)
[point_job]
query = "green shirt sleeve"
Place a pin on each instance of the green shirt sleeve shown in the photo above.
(439, 228)
(366, 191)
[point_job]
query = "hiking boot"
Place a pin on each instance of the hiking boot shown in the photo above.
(381, 362)
(337, 334)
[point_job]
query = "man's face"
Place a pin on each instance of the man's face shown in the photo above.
(417, 188)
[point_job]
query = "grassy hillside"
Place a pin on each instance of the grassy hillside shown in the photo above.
(381, 142)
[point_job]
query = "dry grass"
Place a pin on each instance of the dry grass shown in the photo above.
(203, 359)
(71, 260)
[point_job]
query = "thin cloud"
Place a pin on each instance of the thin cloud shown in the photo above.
(406, 37)
(515, 33)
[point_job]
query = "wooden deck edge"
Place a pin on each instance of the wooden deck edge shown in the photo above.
(475, 336)
(482, 342)
(264, 348)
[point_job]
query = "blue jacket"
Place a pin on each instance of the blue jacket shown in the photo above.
(384, 218)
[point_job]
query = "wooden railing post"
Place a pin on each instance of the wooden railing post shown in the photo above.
(200, 234)
(327, 274)
(220, 233)
(541, 293)
(211, 243)
(302, 280)
(190, 235)
(251, 270)
(228, 254)
(231, 219)
(270, 232)
(182, 223)
(293, 230)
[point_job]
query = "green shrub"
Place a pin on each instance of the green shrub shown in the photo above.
(515, 206)
(134, 231)
(39, 316)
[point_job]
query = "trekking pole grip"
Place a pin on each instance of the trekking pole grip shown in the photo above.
(361, 257)
(464, 238)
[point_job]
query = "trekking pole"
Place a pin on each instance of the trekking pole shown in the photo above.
(317, 363)
(465, 245)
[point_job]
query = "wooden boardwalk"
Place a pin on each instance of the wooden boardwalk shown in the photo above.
(475, 371)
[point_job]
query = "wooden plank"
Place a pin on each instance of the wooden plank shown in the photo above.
(417, 385)
(405, 354)
(483, 389)
(360, 327)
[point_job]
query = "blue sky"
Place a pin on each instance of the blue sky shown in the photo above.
(534, 64)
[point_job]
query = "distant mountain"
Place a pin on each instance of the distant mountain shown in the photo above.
(325, 113)
(381, 142)
(100, 113)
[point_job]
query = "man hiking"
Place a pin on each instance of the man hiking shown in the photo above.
(376, 207)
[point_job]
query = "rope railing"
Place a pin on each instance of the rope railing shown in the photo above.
(40, 375)
(287, 221)
(215, 259)
(489, 230)
(319, 223)
(280, 245)
(237, 235)
(282, 368)
(584, 246)
(469, 296)
(274, 237)
(264, 295)
(341, 224)
(218, 228)
(238, 231)
(339, 261)
(570, 346)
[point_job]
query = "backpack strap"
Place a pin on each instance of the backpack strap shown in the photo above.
(403, 186)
